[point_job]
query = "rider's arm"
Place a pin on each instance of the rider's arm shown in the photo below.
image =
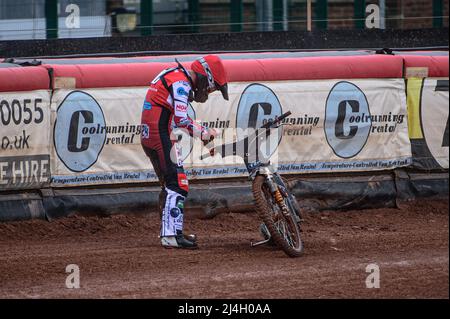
(180, 106)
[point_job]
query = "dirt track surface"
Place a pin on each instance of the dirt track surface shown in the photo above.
(120, 257)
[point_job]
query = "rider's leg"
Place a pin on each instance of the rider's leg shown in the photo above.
(176, 188)
(173, 213)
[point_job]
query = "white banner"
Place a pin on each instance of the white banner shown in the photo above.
(97, 137)
(434, 114)
(24, 139)
(348, 125)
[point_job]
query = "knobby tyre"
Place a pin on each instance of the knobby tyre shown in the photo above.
(286, 237)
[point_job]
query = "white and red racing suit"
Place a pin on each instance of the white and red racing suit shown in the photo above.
(166, 107)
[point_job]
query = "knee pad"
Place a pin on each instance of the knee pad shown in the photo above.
(183, 182)
(179, 184)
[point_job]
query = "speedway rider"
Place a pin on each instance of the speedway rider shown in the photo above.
(165, 108)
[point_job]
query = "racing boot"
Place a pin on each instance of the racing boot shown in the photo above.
(172, 223)
(179, 241)
(191, 237)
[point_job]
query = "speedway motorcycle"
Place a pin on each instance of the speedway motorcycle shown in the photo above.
(275, 204)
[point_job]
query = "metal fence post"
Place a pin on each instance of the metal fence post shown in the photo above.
(278, 14)
(146, 17)
(194, 15)
(51, 18)
(359, 13)
(438, 12)
(321, 12)
(236, 15)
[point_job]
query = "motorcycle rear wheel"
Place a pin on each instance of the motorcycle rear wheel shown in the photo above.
(282, 227)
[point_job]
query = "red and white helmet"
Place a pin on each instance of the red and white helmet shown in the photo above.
(212, 67)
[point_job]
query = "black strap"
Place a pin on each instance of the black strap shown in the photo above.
(164, 82)
(179, 67)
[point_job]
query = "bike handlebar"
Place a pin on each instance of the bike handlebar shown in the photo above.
(277, 120)
(268, 125)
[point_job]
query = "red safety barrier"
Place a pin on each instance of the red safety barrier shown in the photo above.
(110, 75)
(239, 70)
(308, 68)
(315, 68)
(24, 79)
(437, 65)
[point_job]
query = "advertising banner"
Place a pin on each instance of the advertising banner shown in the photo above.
(428, 113)
(96, 137)
(335, 125)
(24, 139)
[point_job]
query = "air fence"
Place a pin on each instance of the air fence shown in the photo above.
(366, 130)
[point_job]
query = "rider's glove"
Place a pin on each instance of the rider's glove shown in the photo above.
(209, 134)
